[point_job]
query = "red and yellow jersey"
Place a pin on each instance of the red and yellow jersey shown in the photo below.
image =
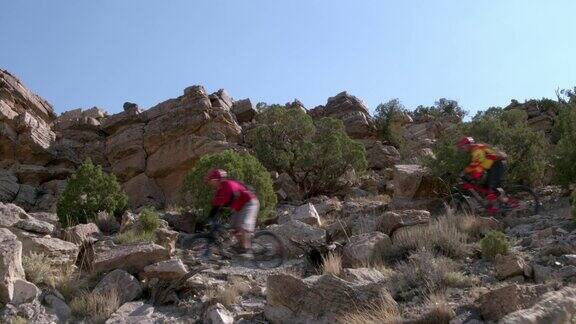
(482, 159)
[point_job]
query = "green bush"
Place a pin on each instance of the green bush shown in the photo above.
(149, 219)
(494, 243)
(243, 167)
(443, 108)
(506, 130)
(313, 154)
(565, 157)
(135, 235)
(88, 191)
(388, 119)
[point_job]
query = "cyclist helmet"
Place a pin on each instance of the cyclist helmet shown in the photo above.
(215, 174)
(465, 141)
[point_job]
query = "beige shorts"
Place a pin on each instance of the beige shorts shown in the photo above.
(246, 217)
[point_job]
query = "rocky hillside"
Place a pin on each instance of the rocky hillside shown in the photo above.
(382, 251)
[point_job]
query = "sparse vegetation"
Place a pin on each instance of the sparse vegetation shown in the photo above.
(149, 220)
(389, 117)
(494, 243)
(384, 310)
(134, 235)
(441, 235)
(97, 307)
(439, 311)
(90, 190)
(229, 293)
(443, 108)
(332, 264)
(315, 154)
(243, 167)
(145, 231)
(107, 223)
(425, 273)
(565, 153)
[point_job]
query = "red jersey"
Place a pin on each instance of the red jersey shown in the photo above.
(232, 193)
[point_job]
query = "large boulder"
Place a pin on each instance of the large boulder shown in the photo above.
(380, 156)
(287, 189)
(554, 307)
(60, 252)
(306, 214)
(35, 225)
(10, 264)
(218, 314)
(16, 99)
(9, 186)
(143, 191)
(131, 257)
(414, 187)
(298, 237)
(363, 248)
(165, 270)
(507, 266)
(133, 313)
(82, 233)
(351, 111)
(126, 285)
(320, 299)
(243, 111)
(11, 214)
(502, 301)
(393, 220)
(125, 151)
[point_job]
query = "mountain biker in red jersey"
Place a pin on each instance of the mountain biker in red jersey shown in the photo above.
(487, 166)
(243, 202)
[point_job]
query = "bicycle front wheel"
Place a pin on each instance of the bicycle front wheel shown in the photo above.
(201, 245)
(522, 201)
(268, 250)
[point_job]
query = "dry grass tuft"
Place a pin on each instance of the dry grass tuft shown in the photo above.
(227, 295)
(134, 235)
(384, 310)
(441, 235)
(97, 307)
(426, 273)
(107, 223)
(439, 311)
(332, 264)
(65, 279)
(19, 320)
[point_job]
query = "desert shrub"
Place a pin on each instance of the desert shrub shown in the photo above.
(134, 235)
(388, 118)
(243, 167)
(383, 310)
(97, 307)
(494, 243)
(332, 264)
(437, 310)
(90, 190)
(443, 108)
(314, 154)
(149, 219)
(505, 130)
(228, 294)
(107, 223)
(565, 152)
(424, 273)
(441, 235)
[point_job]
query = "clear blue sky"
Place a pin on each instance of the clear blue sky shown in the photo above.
(102, 53)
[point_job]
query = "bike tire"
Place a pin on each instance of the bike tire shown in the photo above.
(463, 204)
(268, 250)
(522, 199)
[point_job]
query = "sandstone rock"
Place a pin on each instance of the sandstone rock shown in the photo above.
(167, 238)
(35, 225)
(59, 307)
(299, 237)
(131, 257)
(502, 301)
(182, 222)
(35, 175)
(166, 270)
(143, 191)
(380, 156)
(34, 140)
(27, 197)
(82, 233)
(60, 252)
(319, 299)
(554, 307)
(17, 99)
(9, 186)
(361, 249)
(287, 189)
(132, 313)
(351, 111)
(10, 264)
(11, 214)
(127, 287)
(51, 218)
(243, 110)
(509, 266)
(393, 220)
(221, 99)
(306, 214)
(407, 179)
(125, 151)
(128, 221)
(218, 314)
(363, 275)
(24, 292)
(327, 207)
(130, 116)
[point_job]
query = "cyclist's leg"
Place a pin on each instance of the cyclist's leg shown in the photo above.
(493, 182)
(249, 215)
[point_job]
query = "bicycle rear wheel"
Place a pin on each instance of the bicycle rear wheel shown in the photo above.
(268, 250)
(200, 245)
(522, 201)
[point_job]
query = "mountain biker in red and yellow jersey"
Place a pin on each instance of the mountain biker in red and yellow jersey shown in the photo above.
(487, 166)
(243, 202)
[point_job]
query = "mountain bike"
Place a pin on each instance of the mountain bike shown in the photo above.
(469, 197)
(220, 243)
